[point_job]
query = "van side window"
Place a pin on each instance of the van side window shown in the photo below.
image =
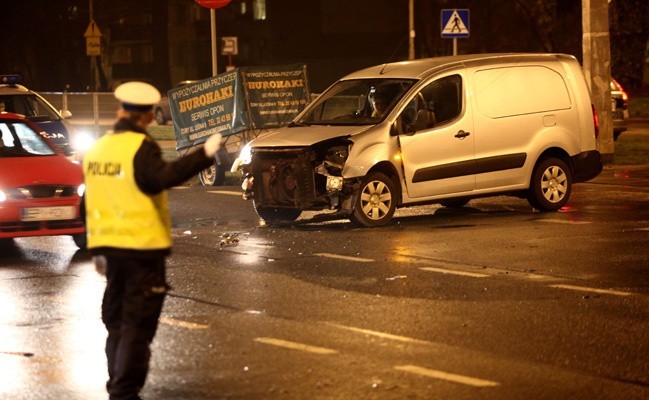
(436, 104)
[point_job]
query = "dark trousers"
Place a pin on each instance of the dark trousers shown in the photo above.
(135, 292)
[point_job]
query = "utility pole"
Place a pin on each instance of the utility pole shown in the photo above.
(597, 68)
(411, 29)
(213, 35)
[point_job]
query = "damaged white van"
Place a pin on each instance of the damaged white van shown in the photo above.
(438, 130)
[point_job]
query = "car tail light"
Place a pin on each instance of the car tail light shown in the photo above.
(595, 121)
(625, 96)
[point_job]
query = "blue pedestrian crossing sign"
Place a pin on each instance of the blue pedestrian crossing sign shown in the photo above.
(455, 23)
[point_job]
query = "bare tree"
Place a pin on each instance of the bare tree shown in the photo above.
(629, 20)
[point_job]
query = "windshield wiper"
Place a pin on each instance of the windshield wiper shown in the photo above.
(294, 124)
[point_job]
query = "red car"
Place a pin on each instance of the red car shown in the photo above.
(41, 190)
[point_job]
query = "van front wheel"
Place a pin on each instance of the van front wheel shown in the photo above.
(376, 201)
(551, 185)
(272, 215)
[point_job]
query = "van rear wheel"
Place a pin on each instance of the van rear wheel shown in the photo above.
(376, 201)
(551, 185)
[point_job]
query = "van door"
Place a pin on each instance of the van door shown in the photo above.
(436, 139)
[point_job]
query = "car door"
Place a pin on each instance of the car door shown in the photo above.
(438, 153)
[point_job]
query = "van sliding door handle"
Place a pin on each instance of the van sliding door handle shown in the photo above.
(461, 134)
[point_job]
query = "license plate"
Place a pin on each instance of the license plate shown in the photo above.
(47, 213)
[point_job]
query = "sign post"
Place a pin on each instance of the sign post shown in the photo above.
(454, 25)
(93, 49)
(212, 5)
(229, 47)
(93, 39)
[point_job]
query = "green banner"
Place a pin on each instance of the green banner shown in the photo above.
(213, 105)
(275, 95)
(242, 99)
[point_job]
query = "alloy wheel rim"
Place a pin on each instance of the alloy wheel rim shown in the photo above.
(553, 184)
(208, 174)
(376, 200)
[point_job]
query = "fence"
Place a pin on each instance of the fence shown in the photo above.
(86, 108)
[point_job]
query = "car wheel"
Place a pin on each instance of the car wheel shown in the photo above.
(376, 201)
(551, 185)
(81, 241)
(273, 215)
(212, 176)
(160, 117)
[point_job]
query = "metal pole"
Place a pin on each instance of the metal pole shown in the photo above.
(213, 29)
(411, 29)
(93, 66)
(95, 111)
(454, 46)
(93, 61)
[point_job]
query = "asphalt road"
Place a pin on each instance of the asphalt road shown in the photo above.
(493, 301)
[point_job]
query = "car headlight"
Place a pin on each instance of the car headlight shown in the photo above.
(83, 141)
(245, 158)
(3, 196)
(81, 189)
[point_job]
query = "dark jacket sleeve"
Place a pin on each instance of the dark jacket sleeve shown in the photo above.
(153, 174)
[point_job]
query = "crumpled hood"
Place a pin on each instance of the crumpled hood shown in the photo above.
(302, 136)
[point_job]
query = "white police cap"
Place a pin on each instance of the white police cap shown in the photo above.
(137, 96)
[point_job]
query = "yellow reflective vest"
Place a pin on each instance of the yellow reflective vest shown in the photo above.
(118, 213)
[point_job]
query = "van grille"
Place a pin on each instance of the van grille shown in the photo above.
(284, 178)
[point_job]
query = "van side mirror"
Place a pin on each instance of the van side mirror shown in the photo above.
(66, 114)
(425, 119)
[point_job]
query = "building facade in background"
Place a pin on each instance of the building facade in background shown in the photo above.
(167, 41)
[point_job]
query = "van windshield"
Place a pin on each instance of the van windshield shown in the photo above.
(355, 102)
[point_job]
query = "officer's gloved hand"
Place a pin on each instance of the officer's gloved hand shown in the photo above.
(212, 145)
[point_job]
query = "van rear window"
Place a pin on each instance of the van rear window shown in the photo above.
(504, 92)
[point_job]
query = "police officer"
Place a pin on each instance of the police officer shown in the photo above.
(128, 225)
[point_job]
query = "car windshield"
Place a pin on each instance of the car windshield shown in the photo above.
(355, 102)
(19, 140)
(29, 105)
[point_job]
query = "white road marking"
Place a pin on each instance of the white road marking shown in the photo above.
(592, 290)
(295, 346)
(182, 324)
(225, 192)
(432, 373)
(563, 221)
(379, 334)
(341, 257)
(448, 271)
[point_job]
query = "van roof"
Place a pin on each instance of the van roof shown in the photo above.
(417, 69)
